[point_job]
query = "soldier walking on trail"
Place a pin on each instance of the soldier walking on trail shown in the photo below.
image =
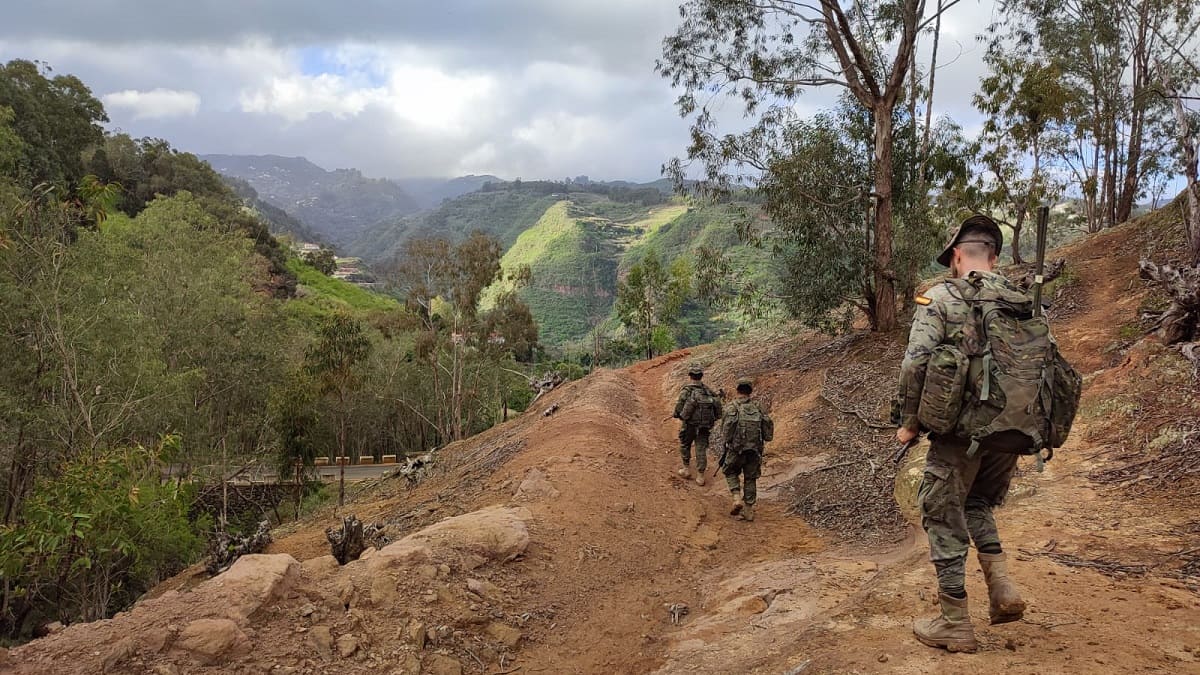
(977, 371)
(745, 427)
(698, 408)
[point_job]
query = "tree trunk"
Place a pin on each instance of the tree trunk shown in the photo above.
(1016, 228)
(341, 459)
(885, 276)
(1189, 142)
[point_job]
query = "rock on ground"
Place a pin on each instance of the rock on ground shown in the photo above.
(211, 641)
(496, 533)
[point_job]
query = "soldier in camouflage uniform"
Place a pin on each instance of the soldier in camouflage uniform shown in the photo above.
(696, 422)
(744, 428)
(957, 494)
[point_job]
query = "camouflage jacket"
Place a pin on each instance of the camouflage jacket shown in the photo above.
(943, 320)
(686, 393)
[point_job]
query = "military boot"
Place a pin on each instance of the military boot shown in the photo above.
(684, 472)
(951, 630)
(1004, 601)
(700, 478)
(748, 512)
(738, 504)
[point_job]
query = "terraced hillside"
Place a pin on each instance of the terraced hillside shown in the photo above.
(578, 240)
(581, 246)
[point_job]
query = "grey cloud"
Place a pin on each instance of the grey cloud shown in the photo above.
(595, 60)
(619, 33)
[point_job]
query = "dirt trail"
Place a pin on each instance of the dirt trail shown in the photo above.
(610, 537)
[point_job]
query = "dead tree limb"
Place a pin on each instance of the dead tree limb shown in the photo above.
(1180, 321)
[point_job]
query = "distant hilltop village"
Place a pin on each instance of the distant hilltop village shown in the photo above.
(349, 269)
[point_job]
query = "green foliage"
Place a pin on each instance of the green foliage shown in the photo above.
(280, 222)
(322, 293)
(55, 118)
(94, 537)
(503, 214)
(295, 419)
(149, 167)
(650, 298)
(817, 190)
(341, 348)
(322, 260)
(145, 300)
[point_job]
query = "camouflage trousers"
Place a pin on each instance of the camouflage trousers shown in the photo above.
(747, 464)
(689, 433)
(956, 497)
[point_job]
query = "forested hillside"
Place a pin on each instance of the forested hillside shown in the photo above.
(338, 205)
(429, 192)
(152, 326)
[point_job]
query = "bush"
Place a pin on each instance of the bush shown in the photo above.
(93, 539)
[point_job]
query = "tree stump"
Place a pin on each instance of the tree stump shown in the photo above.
(347, 542)
(1181, 320)
(224, 549)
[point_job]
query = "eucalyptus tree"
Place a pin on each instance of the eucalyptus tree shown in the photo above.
(766, 54)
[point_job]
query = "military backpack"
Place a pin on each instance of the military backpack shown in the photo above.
(1003, 382)
(702, 406)
(752, 428)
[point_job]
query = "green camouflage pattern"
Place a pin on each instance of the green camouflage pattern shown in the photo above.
(689, 433)
(743, 461)
(745, 466)
(943, 320)
(958, 493)
(1017, 393)
(735, 438)
(956, 498)
(685, 395)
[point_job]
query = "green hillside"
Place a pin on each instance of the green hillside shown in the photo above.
(316, 293)
(581, 246)
(502, 213)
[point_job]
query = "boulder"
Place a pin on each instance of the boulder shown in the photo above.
(535, 487)
(211, 641)
(416, 633)
(321, 640)
(440, 664)
(383, 591)
(253, 581)
(124, 648)
(504, 634)
(319, 567)
(483, 589)
(496, 533)
(346, 646)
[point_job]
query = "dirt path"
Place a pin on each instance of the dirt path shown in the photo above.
(615, 538)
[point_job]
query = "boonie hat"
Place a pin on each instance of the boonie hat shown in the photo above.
(977, 228)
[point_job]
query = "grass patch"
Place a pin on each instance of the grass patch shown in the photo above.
(326, 292)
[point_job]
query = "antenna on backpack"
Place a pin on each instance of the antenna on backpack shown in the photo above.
(1043, 217)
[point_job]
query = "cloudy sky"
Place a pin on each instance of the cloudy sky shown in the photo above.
(399, 88)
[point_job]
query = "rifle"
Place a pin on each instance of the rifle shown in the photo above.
(1043, 217)
(721, 461)
(902, 451)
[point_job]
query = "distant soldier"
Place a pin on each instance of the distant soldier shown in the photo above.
(745, 427)
(698, 408)
(977, 322)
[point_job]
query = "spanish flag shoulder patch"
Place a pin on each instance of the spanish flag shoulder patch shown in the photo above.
(922, 300)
